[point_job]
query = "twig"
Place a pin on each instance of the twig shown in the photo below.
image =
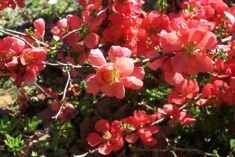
(63, 64)
(16, 36)
(227, 39)
(25, 34)
(176, 149)
(64, 96)
(66, 86)
(158, 121)
(70, 32)
(87, 153)
(160, 56)
(41, 89)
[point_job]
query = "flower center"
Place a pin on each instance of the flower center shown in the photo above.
(107, 135)
(28, 57)
(190, 48)
(115, 76)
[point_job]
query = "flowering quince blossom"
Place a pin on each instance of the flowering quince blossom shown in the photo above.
(176, 114)
(80, 32)
(186, 89)
(140, 128)
(191, 51)
(222, 87)
(108, 137)
(190, 47)
(11, 3)
(20, 61)
(39, 28)
(113, 77)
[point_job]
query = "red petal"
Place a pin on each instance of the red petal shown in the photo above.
(39, 26)
(117, 142)
(117, 51)
(124, 65)
(105, 149)
(93, 139)
(138, 72)
(131, 138)
(102, 125)
(132, 82)
(92, 40)
(96, 57)
(92, 85)
(74, 21)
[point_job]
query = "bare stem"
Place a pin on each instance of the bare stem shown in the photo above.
(176, 149)
(160, 56)
(87, 153)
(63, 64)
(64, 95)
(16, 36)
(70, 32)
(41, 89)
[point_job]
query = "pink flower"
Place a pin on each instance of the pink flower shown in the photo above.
(113, 77)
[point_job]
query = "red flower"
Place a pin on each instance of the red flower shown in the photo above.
(177, 115)
(108, 137)
(11, 3)
(39, 26)
(140, 127)
(185, 90)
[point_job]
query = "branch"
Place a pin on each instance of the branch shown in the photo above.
(58, 63)
(160, 56)
(175, 149)
(66, 86)
(13, 32)
(16, 36)
(41, 89)
(87, 153)
(71, 32)
(64, 96)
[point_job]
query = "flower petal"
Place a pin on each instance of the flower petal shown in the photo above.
(93, 139)
(132, 82)
(105, 149)
(102, 125)
(92, 40)
(124, 65)
(92, 85)
(117, 51)
(96, 57)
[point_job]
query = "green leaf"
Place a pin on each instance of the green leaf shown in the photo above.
(232, 144)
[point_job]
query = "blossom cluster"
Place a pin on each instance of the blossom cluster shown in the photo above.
(11, 3)
(110, 136)
(121, 42)
(21, 61)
